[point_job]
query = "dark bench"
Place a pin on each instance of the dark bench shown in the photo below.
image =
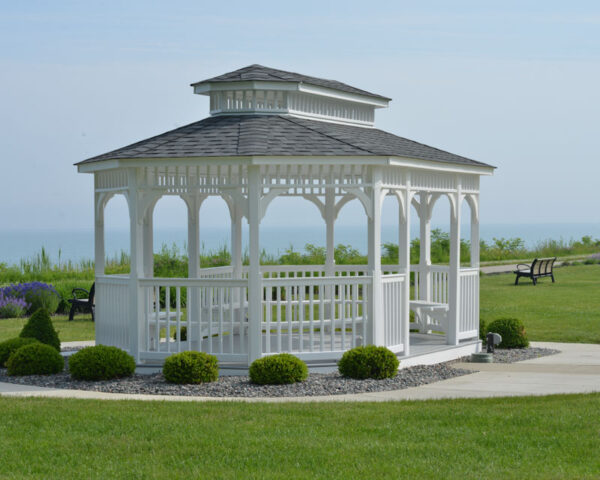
(86, 304)
(541, 267)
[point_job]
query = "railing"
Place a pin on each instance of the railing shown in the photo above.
(112, 310)
(213, 312)
(438, 286)
(315, 317)
(393, 286)
(469, 303)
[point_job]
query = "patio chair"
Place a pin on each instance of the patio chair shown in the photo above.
(84, 305)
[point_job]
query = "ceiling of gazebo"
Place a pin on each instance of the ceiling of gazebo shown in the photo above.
(278, 135)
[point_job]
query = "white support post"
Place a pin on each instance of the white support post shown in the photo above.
(148, 235)
(404, 264)
(377, 332)
(193, 203)
(330, 239)
(475, 233)
(236, 240)
(99, 251)
(425, 247)
(254, 275)
(454, 273)
(136, 306)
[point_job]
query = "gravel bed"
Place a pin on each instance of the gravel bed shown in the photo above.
(239, 386)
(317, 384)
(512, 355)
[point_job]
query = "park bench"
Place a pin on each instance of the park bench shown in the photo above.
(541, 267)
(82, 304)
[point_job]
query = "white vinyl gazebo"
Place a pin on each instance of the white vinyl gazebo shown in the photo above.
(274, 133)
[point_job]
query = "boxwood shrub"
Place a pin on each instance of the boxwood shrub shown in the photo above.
(101, 363)
(512, 331)
(40, 326)
(8, 347)
(35, 359)
(278, 369)
(368, 362)
(191, 367)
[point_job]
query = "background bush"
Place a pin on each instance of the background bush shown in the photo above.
(278, 369)
(368, 362)
(183, 334)
(8, 347)
(101, 363)
(12, 307)
(36, 294)
(35, 359)
(40, 326)
(191, 367)
(512, 331)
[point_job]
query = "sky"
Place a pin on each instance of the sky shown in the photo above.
(513, 84)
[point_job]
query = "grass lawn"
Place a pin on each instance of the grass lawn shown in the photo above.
(565, 311)
(545, 437)
(81, 328)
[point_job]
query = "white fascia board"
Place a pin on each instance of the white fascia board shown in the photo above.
(161, 162)
(440, 166)
(320, 160)
(340, 95)
(207, 88)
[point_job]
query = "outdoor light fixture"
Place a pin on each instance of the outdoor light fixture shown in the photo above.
(492, 339)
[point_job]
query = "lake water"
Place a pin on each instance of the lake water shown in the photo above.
(79, 244)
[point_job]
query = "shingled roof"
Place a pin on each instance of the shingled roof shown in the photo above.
(277, 135)
(261, 73)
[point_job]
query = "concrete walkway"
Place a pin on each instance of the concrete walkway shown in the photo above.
(575, 370)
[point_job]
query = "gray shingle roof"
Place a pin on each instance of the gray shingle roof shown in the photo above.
(277, 135)
(258, 72)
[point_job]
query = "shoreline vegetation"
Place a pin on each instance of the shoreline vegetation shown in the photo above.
(172, 261)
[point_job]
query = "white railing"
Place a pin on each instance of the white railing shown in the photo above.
(393, 286)
(439, 283)
(216, 272)
(213, 312)
(318, 317)
(469, 303)
(112, 302)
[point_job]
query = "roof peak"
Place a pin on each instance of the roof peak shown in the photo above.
(257, 72)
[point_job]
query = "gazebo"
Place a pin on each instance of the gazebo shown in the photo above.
(274, 133)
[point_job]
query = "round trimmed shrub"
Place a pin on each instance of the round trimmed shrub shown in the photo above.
(40, 326)
(35, 359)
(278, 369)
(8, 347)
(191, 367)
(368, 362)
(101, 363)
(512, 331)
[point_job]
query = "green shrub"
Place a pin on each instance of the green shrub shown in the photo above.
(40, 326)
(512, 331)
(191, 367)
(35, 359)
(482, 330)
(8, 347)
(101, 363)
(183, 332)
(278, 369)
(368, 362)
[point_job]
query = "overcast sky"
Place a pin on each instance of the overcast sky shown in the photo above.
(514, 84)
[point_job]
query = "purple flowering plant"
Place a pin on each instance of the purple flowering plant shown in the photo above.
(12, 307)
(34, 294)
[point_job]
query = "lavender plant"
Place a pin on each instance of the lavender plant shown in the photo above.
(35, 294)
(12, 307)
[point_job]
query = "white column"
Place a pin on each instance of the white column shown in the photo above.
(404, 264)
(454, 274)
(330, 239)
(148, 235)
(475, 233)
(254, 275)
(425, 246)
(99, 251)
(376, 300)
(193, 204)
(236, 240)
(136, 305)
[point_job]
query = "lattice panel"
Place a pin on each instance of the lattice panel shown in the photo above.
(203, 178)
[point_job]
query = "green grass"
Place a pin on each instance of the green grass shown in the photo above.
(81, 328)
(509, 438)
(565, 311)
